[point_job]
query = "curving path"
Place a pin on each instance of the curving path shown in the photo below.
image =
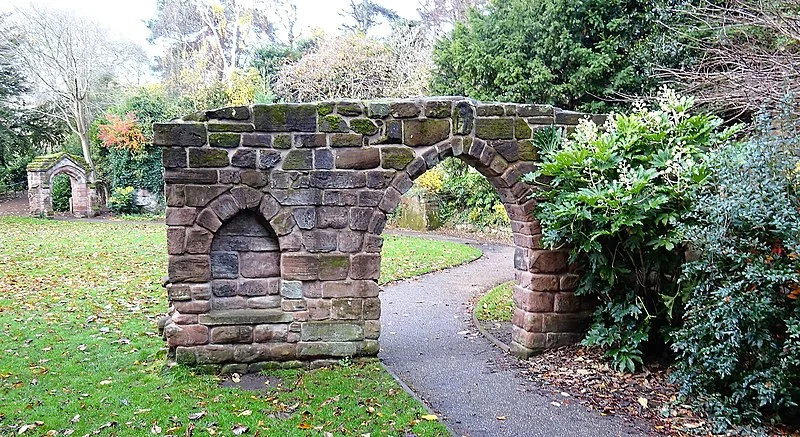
(428, 341)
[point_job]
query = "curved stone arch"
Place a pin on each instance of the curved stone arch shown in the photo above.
(41, 172)
(327, 174)
(74, 172)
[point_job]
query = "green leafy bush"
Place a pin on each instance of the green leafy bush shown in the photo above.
(739, 346)
(123, 201)
(565, 53)
(60, 192)
(468, 197)
(616, 197)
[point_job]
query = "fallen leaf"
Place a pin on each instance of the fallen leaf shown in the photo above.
(25, 428)
(198, 415)
(501, 417)
(236, 377)
(105, 382)
(155, 429)
(555, 404)
(76, 418)
(239, 429)
(430, 417)
(245, 413)
(303, 425)
(642, 402)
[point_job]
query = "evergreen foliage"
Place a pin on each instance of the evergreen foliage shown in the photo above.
(571, 54)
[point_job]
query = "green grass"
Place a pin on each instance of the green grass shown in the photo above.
(144, 217)
(406, 257)
(78, 309)
(497, 304)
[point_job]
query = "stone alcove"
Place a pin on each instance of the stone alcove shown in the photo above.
(320, 179)
(84, 201)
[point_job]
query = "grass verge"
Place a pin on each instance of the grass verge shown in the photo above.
(497, 304)
(80, 352)
(406, 257)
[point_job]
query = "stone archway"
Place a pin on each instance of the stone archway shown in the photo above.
(324, 176)
(41, 172)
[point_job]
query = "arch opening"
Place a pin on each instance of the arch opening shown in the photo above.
(323, 177)
(42, 172)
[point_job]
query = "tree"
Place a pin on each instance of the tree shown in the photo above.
(360, 67)
(746, 53)
(567, 53)
(24, 132)
(215, 37)
(70, 60)
(366, 15)
(442, 15)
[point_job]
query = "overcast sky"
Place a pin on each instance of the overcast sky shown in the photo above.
(126, 17)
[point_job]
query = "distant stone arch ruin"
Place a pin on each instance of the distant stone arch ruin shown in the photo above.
(41, 172)
(275, 214)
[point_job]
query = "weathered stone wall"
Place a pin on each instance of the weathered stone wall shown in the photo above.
(41, 172)
(275, 214)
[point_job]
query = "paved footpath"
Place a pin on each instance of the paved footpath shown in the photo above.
(428, 341)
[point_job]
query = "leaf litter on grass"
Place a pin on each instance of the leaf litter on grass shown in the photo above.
(78, 308)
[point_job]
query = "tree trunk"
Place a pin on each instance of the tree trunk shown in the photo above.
(86, 148)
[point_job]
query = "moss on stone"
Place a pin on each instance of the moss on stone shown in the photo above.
(45, 162)
(324, 109)
(229, 127)
(350, 108)
(396, 157)
(346, 140)
(273, 115)
(205, 157)
(494, 128)
(298, 160)
(363, 126)
(333, 123)
(522, 130)
(528, 151)
(223, 139)
(199, 116)
(282, 141)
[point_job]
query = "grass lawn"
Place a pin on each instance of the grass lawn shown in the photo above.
(405, 257)
(497, 304)
(80, 352)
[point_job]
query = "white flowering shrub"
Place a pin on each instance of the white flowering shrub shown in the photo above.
(614, 195)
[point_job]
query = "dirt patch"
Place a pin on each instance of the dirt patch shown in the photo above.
(14, 204)
(251, 382)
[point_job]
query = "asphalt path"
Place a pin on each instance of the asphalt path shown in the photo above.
(429, 342)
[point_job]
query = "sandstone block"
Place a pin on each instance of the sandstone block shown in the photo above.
(185, 335)
(425, 132)
(231, 334)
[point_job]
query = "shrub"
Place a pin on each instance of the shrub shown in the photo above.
(468, 197)
(60, 192)
(565, 53)
(739, 347)
(616, 197)
(123, 201)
